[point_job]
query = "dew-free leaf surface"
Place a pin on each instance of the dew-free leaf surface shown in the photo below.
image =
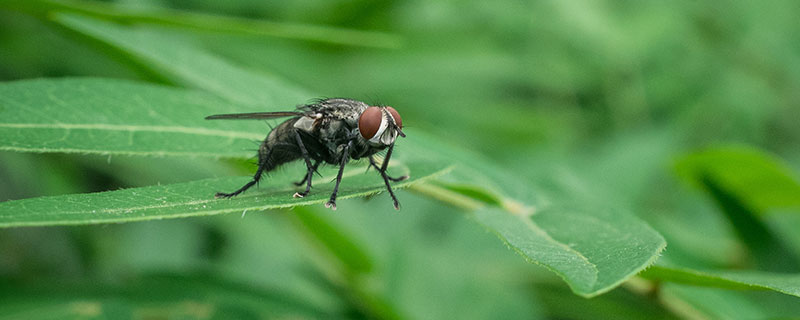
(592, 250)
(194, 199)
(122, 117)
(107, 116)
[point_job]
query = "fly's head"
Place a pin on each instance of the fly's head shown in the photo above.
(380, 126)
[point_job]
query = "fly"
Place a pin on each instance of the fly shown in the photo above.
(332, 131)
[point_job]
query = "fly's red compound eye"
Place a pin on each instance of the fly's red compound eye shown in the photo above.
(370, 122)
(397, 120)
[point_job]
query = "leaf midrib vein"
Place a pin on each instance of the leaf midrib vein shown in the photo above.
(535, 228)
(193, 202)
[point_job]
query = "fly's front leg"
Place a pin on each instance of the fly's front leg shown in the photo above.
(386, 177)
(373, 164)
(345, 156)
(311, 168)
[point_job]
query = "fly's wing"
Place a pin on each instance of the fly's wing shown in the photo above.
(255, 115)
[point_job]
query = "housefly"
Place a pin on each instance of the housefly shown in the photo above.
(331, 131)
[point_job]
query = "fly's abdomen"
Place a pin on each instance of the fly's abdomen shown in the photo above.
(279, 147)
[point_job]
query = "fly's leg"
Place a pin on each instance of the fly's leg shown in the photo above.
(375, 165)
(305, 177)
(311, 168)
(262, 163)
(386, 177)
(345, 156)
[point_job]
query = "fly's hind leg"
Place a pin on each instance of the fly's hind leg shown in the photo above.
(262, 164)
(386, 177)
(311, 168)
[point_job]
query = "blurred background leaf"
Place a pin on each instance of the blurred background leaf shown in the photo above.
(784, 283)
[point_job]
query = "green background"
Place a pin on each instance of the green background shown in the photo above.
(568, 159)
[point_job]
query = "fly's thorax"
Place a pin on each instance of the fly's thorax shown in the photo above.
(326, 128)
(335, 130)
(307, 122)
(282, 132)
(344, 109)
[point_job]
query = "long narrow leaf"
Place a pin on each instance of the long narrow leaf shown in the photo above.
(213, 22)
(192, 199)
(176, 59)
(107, 116)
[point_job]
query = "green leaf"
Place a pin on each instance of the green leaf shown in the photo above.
(787, 283)
(560, 303)
(107, 116)
(176, 59)
(285, 255)
(154, 296)
(196, 198)
(592, 250)
(693, 302)
(428, 247)
(761, 181)
(213, 23)
(746, 183)
(339, 244)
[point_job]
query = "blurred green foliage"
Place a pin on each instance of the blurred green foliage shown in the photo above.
(593, 103)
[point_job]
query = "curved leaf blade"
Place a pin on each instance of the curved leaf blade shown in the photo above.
(592, 250)
(195, 198)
